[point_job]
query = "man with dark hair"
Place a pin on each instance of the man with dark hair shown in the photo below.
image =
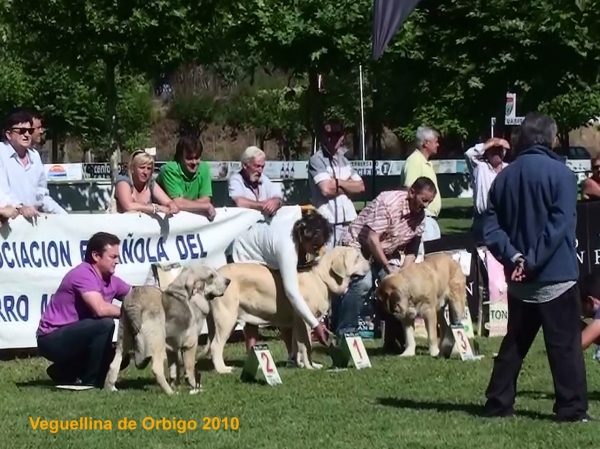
(22, 173)
(76, 329)
(39, 132)
(389, 226)
(187, 180)
(529, 227)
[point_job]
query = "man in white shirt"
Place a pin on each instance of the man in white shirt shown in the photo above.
(484, 162)
(251, 188)
(22, 173)
(333, 182)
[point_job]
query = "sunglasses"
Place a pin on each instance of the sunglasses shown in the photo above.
(23, 131)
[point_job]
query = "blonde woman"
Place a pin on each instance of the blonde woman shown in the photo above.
(138, 192)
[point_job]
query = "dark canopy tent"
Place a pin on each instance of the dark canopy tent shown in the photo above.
(388, 16)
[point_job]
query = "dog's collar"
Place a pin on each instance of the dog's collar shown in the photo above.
(307, 265)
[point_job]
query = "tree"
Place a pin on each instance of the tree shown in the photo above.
(128, 38)
(273, 114)
(469, 54)
(303, 38)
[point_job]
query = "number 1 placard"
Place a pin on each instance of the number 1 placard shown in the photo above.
(260, 361)
(355, 347)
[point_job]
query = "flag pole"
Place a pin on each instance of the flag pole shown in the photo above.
(376, 129)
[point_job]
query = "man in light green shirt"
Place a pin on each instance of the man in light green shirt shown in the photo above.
(417, 165)
(187, 180)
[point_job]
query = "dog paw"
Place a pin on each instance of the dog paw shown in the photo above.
(196, 390)
(316, 365)
(110, 388)
(434, 352)
(225, 370)
(408, 353)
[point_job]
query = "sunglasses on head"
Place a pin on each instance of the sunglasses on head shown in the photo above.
(23, 131)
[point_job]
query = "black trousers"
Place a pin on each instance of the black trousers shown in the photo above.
(560, 322)
(81, 350)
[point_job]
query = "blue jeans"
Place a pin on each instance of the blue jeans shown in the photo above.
(345, 311)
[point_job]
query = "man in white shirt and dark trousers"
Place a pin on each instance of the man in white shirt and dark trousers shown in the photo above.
(529, 227)
(22, 173)
(333, 182)
(484, 162)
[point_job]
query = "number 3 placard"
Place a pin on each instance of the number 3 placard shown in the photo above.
(462, 342)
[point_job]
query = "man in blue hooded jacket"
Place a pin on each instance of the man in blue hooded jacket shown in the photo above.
(530, 228)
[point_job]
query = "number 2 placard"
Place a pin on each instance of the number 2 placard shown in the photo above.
(267, 366)
(260, 361)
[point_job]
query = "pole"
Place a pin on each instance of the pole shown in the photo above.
(362, 115)
(318, 96)
(376, 151)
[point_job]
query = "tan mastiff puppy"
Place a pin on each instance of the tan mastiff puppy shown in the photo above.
(165, 325)
(256, 296)
(424, 289)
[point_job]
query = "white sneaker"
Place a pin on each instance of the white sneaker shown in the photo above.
(75, 387)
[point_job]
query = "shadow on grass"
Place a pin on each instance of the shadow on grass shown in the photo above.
(549, 395)
(36, 383)
(378, 351)
(447, 407)
(457, 212)
(122, 384)
(7, 355)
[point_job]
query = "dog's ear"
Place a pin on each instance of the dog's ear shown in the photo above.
(338, 267)
(190, 281)
(351, 259)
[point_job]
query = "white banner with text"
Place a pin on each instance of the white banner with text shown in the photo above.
(34, 257)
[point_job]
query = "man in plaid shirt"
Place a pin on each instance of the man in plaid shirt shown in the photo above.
(388, 227)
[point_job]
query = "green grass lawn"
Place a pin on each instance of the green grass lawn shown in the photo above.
(415, 403)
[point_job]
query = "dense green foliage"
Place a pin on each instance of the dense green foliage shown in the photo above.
(94, 67)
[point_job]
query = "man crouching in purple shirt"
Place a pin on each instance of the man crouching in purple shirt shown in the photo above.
(77, 327)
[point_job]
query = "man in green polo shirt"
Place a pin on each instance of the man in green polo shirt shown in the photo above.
(187, 180)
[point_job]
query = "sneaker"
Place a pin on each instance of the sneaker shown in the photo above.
(59, 377)
(583, 419)
(75, 387)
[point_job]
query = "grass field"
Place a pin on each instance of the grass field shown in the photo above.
(415, 403)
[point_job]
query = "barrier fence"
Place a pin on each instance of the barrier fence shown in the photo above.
(282, 170)
(35, 257)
